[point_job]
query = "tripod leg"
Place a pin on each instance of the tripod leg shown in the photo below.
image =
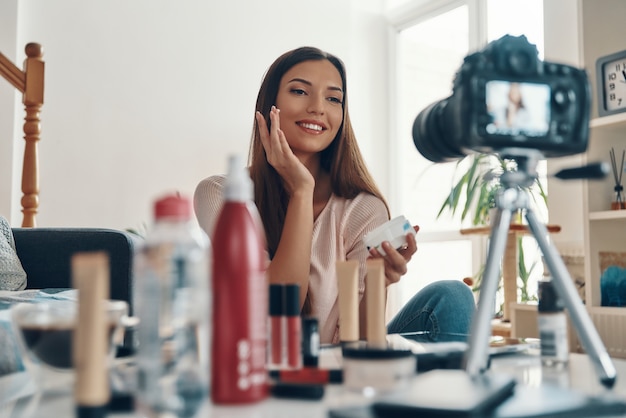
(477, 355)
(567, 291)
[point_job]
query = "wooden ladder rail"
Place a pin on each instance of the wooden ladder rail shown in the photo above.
(30, 83)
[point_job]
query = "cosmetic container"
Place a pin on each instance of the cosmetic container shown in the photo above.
(552, 324)
(293, 326)
(276, 326)
(310, 342)
(90, 275)
(172, 301)
(348, 294)
(239, 342)
(376, 297)
(373, 370)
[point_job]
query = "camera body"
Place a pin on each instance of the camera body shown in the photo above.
(505, 98)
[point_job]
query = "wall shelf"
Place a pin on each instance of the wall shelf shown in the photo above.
(607, 215)
(613, 121)
(604, 229)
(599, 32)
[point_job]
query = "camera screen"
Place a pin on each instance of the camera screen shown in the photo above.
(518, 108)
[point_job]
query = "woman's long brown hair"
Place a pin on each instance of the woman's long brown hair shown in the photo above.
(342, 158)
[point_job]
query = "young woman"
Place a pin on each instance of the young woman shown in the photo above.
(317, 199)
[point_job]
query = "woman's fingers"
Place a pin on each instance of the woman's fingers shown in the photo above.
(411, 247)
(273, 138)
(277, 134)
(396, 259)
(275, 119)
(263, 131)
(279, 154)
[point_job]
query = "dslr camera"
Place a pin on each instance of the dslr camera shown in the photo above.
(504, 100)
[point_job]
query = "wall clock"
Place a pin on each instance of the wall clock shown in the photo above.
(611, 76)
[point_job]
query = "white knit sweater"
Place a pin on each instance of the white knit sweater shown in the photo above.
(12, 275)
(337, 235)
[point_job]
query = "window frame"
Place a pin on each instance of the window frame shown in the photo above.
(400, 18)
(411, 13)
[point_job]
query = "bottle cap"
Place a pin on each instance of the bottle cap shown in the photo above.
(238, 186)
(173, 206)
(549, 301)
(277, 300)
(310, 341)
(292, 300)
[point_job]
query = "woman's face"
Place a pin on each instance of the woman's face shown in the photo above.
(310, 98)
(515, 95)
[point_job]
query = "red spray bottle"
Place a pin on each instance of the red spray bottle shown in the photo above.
(240, 289)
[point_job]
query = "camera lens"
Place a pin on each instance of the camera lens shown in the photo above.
(430, 136)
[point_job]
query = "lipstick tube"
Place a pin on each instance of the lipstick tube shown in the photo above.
(277, 325)
(293, 326)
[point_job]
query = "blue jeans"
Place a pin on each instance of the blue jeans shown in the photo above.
(441, 311)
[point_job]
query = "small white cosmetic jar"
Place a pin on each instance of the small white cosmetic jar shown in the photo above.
(394, 231)
(377, 370)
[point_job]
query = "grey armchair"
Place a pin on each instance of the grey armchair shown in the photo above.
(46, 254)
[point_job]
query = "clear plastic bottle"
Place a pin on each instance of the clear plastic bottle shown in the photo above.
(172, 299)
(240, 312)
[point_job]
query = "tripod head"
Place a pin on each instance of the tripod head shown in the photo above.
(526, 172)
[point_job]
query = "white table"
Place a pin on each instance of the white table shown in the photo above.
(525, 367)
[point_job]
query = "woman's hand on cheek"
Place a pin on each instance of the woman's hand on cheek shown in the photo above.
(396, 260)
(279, 154)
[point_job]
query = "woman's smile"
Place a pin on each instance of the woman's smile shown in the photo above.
(312, 127)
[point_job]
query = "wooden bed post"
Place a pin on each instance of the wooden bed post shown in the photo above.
(30, 83)
(33, 100)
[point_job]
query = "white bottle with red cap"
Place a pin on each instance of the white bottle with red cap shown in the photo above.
(172, 299)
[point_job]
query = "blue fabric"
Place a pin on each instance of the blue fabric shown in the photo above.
(441, 311)
(10, 353)
(613, 286)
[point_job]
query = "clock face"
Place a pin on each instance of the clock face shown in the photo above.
(614, 74)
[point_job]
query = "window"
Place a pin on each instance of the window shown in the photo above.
(430, 42)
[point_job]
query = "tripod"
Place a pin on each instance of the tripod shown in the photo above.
(479, 391)
(511, 198)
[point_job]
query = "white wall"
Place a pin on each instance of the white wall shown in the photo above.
(565, 202)
(8, 95)
(148, 96)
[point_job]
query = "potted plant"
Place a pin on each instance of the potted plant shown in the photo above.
(475, 191)
(473, 197)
